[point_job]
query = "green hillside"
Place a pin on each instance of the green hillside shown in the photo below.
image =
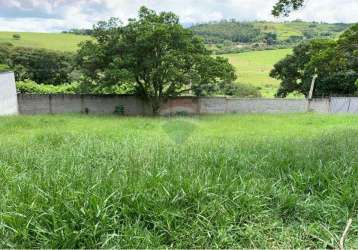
(300, 28)
(54, 41)
(215, 32)
(254, 68)
(253, 32)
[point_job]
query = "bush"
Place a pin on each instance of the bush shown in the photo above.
(241, 90)
(31, 87)
(16, 36)
(4, 68)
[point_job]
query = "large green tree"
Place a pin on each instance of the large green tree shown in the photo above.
(152, 56)
(335, 62)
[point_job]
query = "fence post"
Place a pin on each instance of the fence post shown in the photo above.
(310, 95)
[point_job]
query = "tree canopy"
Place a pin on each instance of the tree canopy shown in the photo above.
(335, 62)
(152, 56)
(39, 65)
(285, 7)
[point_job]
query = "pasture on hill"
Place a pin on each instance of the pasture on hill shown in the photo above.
(254, 68)
(52, 41)
(298, 28)
(233, 181)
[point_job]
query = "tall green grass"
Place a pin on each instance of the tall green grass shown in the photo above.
(235, 181)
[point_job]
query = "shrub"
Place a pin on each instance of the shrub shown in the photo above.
(241, 90)
(31, 87)
(4, 68)
(16, 36)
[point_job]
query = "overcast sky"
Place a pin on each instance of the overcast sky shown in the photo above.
(58, 15)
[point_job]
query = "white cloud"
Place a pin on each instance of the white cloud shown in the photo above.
(56, 15)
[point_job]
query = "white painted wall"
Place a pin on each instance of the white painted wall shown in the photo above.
(8, 96)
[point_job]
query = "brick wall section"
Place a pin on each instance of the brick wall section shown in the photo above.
(106, 104)
(189, 105)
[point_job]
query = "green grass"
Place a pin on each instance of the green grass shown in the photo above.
(53, 41)
(284, 30)
(254, 68)
(234, 181)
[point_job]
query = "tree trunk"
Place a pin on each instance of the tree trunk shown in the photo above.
(156, 103)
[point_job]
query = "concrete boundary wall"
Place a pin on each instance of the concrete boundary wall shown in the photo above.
(106, 104)
(8, 100)
(92, 104)
(344, 105)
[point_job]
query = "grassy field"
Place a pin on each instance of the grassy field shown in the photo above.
(254, 68)
(234, 181)
(285, 30)
(61, 42)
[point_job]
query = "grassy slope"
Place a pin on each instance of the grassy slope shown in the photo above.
(61, 42)
(284, 30)
(244, 181)
(254, 68)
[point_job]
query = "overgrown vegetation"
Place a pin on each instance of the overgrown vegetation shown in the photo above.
(30, 87)
(248, 181)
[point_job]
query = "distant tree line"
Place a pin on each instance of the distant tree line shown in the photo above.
(228, 30)
(83, 32)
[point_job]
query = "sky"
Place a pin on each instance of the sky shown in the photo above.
(59, 15)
